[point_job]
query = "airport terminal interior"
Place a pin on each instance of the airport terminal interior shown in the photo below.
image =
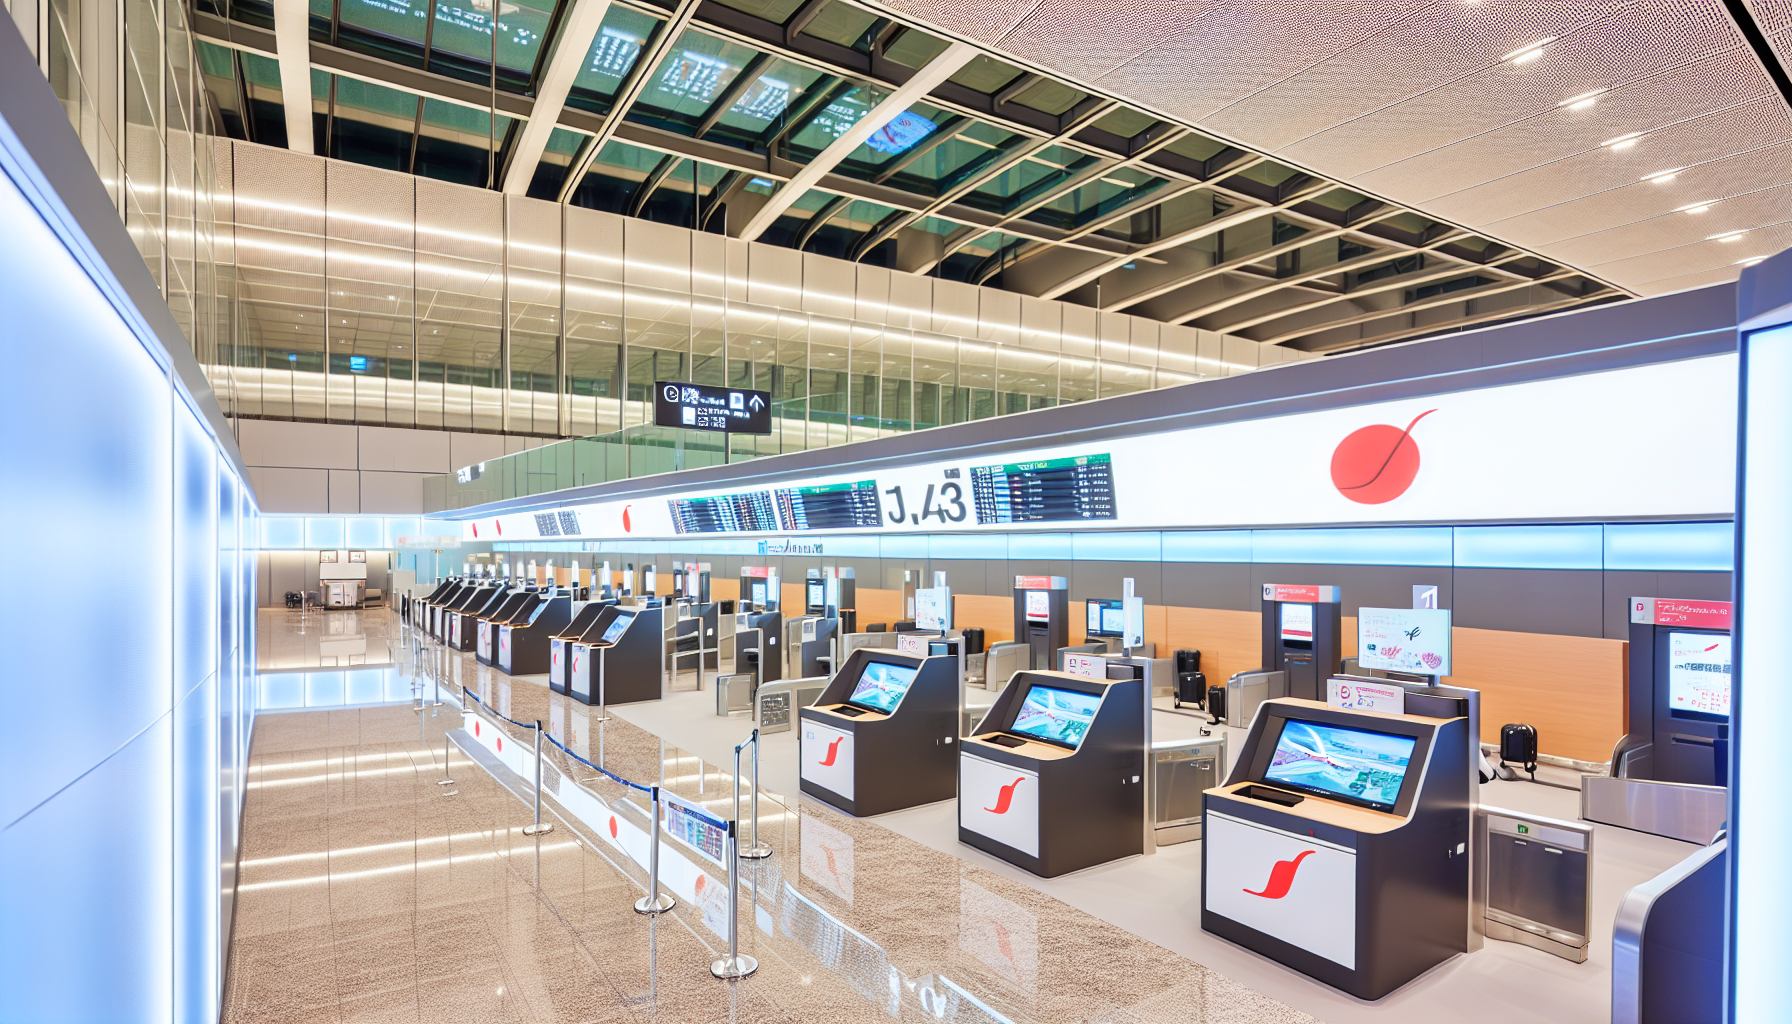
(996, 511)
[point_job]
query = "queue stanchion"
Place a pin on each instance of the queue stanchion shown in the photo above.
(755, 850)
(445, 780)
(655, 902)
(735, 965)
(538, 828)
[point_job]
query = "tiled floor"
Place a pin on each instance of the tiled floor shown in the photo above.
(370, 893)
(316, 638)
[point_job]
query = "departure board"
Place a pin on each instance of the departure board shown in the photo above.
(1050, 490)
(547, 524)
(727, 513)
(833, 507)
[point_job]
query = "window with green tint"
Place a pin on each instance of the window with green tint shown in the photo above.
(455, 142)
(689, 80)
(834, 120)
(775, 11)
(1037, 173)
(556, 159)
(914, 48)
(613, 53)
(463, 31)
(913, 128)
(985, 74)
(762, 108)
(950, 162)
(1097, 198)
(614, 177)
(1268, 172)
(844, 24)
(1050, 97)
(373, 125)
(1125, 122)
(390, 28)
(1196, 147)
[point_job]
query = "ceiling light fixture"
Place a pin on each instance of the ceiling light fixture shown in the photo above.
(1750, 262)
(1731, 237)
(1526, 54)
(1694, 208)
(1583, 101)
(1661, 177)
(1624, 141)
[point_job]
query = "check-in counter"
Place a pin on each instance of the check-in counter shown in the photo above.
(524, 643)
(626, 660)
(883, 734)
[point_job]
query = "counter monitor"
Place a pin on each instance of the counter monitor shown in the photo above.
(881, 686)
(1107, 617)
(1055, 716)
(618, 626)
(1699, 676)
(1358, 766)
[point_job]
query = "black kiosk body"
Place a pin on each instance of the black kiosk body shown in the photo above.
(434, 610)
(1302, 636)
(420, 607)
(622, 659)
(1678, 727)
(1042, 616)
(881, 736)
(756, 651)
(1339, 845)
(1052, 780)
(524, 644)
(487, 649)
(460, 633)
(560, 647)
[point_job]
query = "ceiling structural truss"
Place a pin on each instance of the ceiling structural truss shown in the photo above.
(577, 32)
(914, 90)
(1005, 174)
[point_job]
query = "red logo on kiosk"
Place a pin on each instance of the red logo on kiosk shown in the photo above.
(1005, 797)
(1377, 463)
(833, 748)
(1281, 877)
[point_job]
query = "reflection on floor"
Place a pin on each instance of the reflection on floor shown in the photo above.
(319, 638)
(369, 892)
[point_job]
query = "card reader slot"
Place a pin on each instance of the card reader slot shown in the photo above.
(1272, 796)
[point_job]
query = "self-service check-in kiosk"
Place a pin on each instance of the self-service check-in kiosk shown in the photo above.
(560, 647)
(1678, 729)
(460, 633)
(1339, 845)
(756, 645)
(1052, 780)
(882, 735)
(623, 659)
(437, 609)
(1042, 616)
(486, 647)
(1302, 637)
(525, 645)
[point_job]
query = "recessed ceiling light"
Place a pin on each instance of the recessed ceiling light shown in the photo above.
(1526, 54)
(1661, 177)
(1731, 237)
(1694, 208)
(1624, 141)
(1583, 101)
(1750, 262)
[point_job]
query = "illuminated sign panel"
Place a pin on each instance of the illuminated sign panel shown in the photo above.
(702, 407)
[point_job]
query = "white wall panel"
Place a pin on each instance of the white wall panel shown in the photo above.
(1144, 341)
(954, 308)
(466, 449)
(775, 275)
(911, 300)
(1082, 325)
(710, 264)
(1041, 323)
(345, 491)
(291, 490)
(389, 494)
(411, 451)
(998, 316)
(872, 298)
(298, 445)
(829, 286)
(657, 256)
(1241, 355)
(593, 244)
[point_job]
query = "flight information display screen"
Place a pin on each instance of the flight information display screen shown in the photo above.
(1357, 765)
(1056, 716)
(1050, 490)
(1699, 676)
(726, 513)
(844, 506)
(881, 686)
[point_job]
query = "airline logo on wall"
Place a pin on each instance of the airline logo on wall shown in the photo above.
(786, 546)
(1529, 451)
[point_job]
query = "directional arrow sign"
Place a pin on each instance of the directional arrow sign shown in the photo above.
(704, 407)
(756, 403)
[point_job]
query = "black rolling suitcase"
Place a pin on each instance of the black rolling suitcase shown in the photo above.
(1216, 703)
(1191, 682)
(1518, 746)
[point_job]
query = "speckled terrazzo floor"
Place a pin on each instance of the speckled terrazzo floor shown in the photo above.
(370, 893)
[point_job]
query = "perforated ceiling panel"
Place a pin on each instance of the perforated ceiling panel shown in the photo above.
(1507, 117)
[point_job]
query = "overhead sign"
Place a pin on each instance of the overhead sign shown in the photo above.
(704, 407)
(1404, 640)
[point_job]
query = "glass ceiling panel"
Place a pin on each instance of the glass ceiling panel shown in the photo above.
(455, 143)
(986, 75)
(461, 43)
(834, 120)
(1103, 195)
(1196, 147)
(846, 25)
(1125, 122)
(389, 28)
(913, 48)
(689, 80)
(1044, 170)
(776, 11)
(373, 125)
(614, 51)
(761, 110)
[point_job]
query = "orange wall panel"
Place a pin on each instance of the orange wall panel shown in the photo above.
(994, 614)
(877, 605)
(1570, 687)
(1229, 641)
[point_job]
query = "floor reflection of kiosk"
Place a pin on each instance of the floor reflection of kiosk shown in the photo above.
(881, 735)
(1679, 708)
(560, 647)
(1339, 845)
(1301, 637)
(1053, 779)
(624, 662)
(524, 646)
(1042, 616)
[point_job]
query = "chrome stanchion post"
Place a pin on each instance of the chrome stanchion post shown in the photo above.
(655, 902)
(755, 850)
(538, 828)
(735, 965)
(445, 780)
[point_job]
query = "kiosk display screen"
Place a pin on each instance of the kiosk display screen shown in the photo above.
(617, 628)
(1699, 675)
(1056, 716)
(1106, 618)
(881, 686)
(759, 594)
(1356, 765)
(817, 594)
(1039, 604)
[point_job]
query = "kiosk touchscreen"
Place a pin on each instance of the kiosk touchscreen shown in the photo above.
(1678, 727)
(881, 736)
(1339, 845)
(621, 658)
(1053, 779)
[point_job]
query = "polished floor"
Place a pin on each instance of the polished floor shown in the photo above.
(371, 893)
(315, 638)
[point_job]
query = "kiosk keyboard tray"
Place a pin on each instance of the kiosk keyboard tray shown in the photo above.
(1006, 741)
(1274, 796)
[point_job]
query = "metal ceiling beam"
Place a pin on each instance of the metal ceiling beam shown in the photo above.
(1212, 227)
(1601, 294)
(1222, 267)
(1375, 287)
(670, 31)
(655, 178)
(1441, 299)
(292, 42)
(937, 70)
(577, 32)
(818, 219)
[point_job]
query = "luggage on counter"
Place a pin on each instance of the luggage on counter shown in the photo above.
(1216, 703)
(973, 640)
(1191, 682)
(1518, 746)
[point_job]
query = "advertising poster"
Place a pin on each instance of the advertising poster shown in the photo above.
(1404, 640)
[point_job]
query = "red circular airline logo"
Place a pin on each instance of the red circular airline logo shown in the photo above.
(1377, 463)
